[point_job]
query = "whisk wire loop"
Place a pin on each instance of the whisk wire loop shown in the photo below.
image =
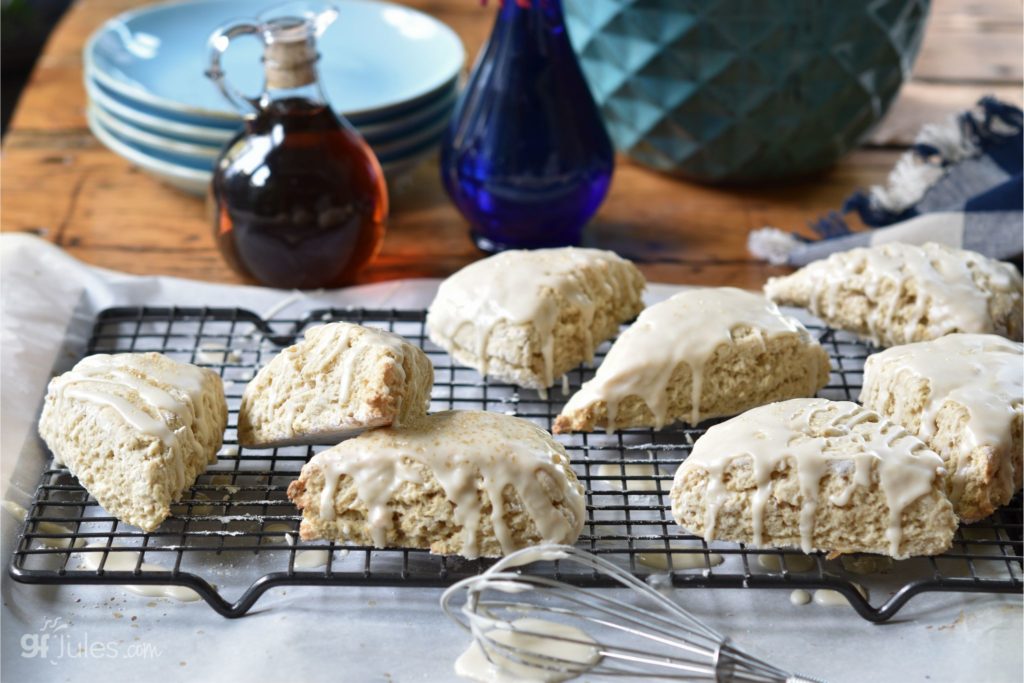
(654, 637)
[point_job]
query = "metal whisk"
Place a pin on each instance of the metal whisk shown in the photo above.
(649, 638)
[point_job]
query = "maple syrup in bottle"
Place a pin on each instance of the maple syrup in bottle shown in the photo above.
(299, 198)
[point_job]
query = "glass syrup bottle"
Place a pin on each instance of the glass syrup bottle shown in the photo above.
(299, 198)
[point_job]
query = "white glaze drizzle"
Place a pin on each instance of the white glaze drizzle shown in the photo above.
(680, 560)
(521, 287)
(322, 347)
(474, 456)
(125, 561)
(44, 527)
(770, 435)
(533, 640)
(946, 297)
(97, 379)
(793, 562)
(799, 597)
(612, 473)
(826, 597)
(981, 372)
(687, 328)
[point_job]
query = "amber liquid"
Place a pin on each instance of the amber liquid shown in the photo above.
(299, 198)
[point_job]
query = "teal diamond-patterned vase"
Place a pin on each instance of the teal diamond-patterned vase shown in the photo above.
(744, 90)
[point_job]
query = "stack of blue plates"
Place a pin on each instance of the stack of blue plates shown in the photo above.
(391, 71)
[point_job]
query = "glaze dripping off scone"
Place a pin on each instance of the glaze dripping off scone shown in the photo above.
(818, 475)
(341, 379)
(528, 317)
(136, 429)
(962, 395)
(700, 354)
(464, 483)
(897, 293)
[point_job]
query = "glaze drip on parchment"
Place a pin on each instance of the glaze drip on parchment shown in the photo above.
(542, 651)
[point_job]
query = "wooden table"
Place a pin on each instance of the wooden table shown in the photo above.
(61, 183)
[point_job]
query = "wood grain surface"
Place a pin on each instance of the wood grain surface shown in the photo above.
(61, 183)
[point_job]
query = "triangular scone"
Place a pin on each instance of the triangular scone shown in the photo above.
(136, 429)
(702, 353)
(896, 293)
(818, 475)
(963, 395)
(341, 379)
(464, 483)
(528, 317)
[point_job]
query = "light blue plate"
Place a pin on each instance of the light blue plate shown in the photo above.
(194, 178)
(134, 144)
(391, 130)
(203, 151)
(377, 59)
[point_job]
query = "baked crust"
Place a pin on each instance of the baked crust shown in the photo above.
(464, 483)
(961, 394)
(849, 510)
(895, 293)
(577, 300)
(135, 474)
(341, 379)
(725, 349)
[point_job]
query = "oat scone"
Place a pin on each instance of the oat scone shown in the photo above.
(702, 353)
(339, 380)
(464, 483)
(819, 475)
(963, 395)
(136, 429)
(528, 317)
(897, 293)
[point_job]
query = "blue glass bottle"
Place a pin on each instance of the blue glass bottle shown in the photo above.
(527, 159)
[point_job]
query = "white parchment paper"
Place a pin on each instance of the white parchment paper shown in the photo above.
(364, 634)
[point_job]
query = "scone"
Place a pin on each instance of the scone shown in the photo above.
(528, 317)
(136, 429)
(817, 474)
(341, 379)
(702, 353)
(459, 483)
(896, 293)
(962, 395)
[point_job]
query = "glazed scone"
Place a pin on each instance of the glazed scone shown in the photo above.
(341, 379)
(464, 483)
(897, 293)
(528, 317)
(136, 429)
(702, 353)
(963, 395)
(819, 475)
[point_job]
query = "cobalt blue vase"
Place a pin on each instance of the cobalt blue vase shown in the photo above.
(526, 158)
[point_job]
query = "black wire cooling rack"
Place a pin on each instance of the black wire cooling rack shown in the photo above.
(234, 534)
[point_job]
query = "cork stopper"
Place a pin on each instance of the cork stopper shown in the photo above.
(290, 56)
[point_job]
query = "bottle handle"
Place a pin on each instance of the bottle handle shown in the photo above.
(218, 45)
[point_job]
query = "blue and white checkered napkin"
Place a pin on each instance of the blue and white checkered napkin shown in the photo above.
(960, 184)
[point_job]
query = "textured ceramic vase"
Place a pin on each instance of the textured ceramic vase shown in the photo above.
(735, 90)
(527, 159)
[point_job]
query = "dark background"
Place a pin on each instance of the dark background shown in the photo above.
(24, 27)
